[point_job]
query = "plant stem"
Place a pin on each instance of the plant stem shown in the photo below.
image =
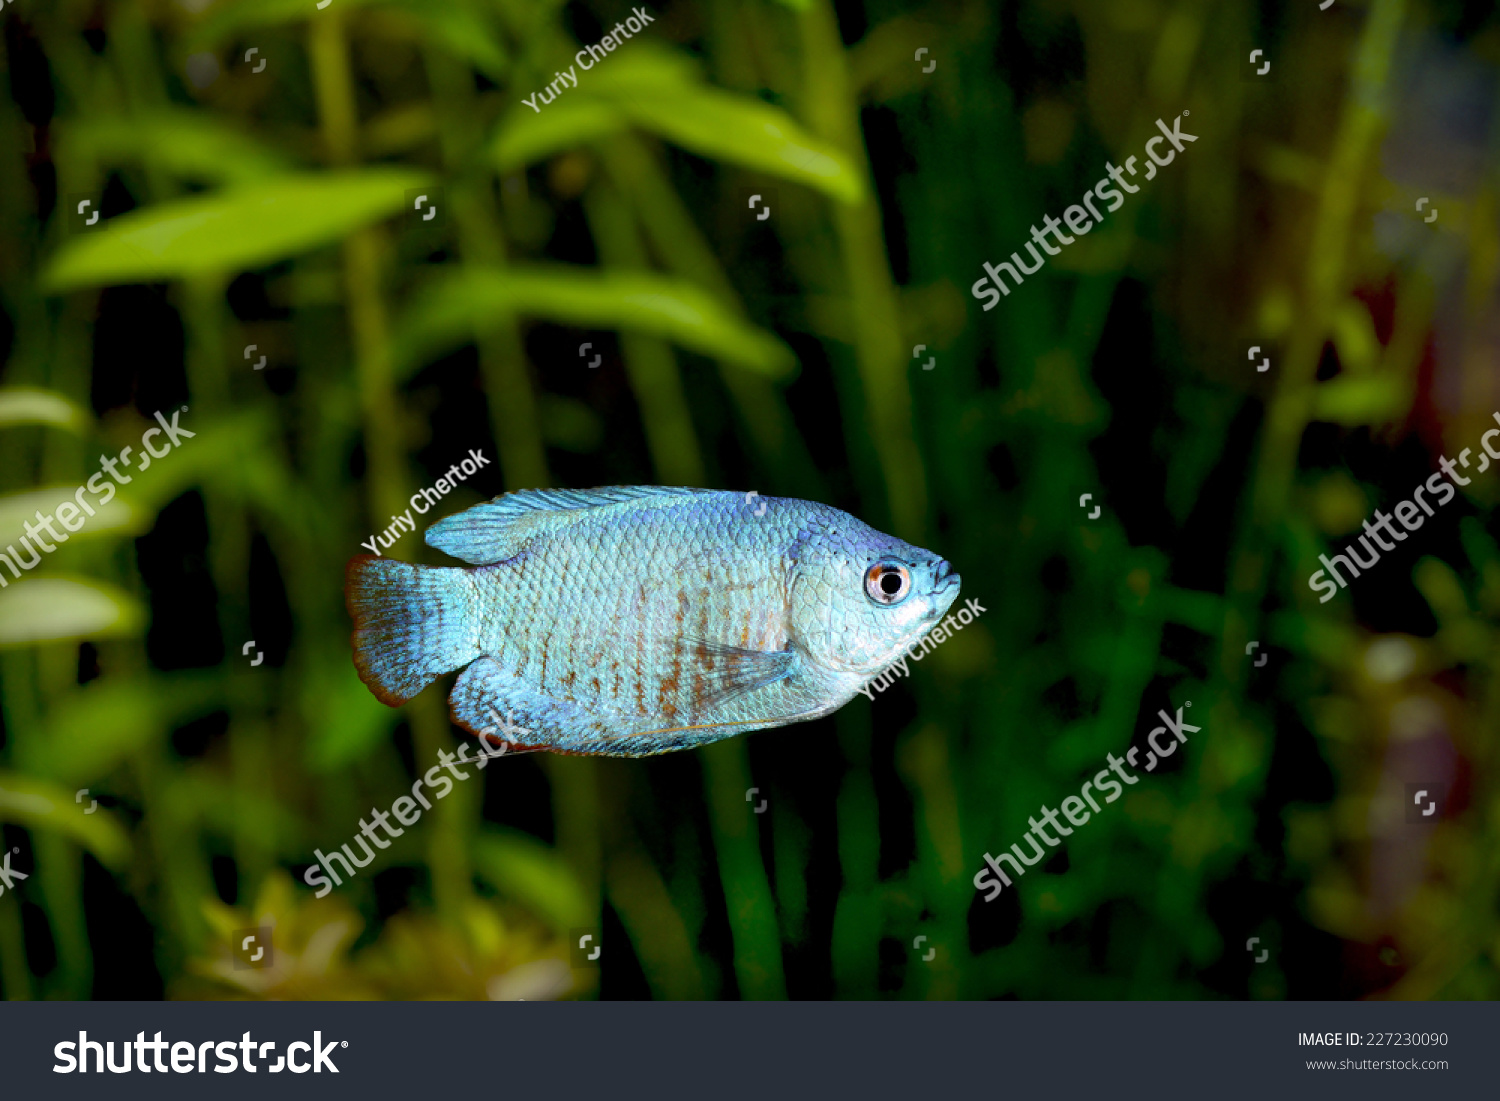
(387, 475)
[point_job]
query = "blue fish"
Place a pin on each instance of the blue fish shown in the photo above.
(635, 620)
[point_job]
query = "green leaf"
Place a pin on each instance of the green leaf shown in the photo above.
(237, 16)
(90, 730)
(27, 405)
(232, 230)
(1203, 612)
(522, 868)
(524, 139)
(1361, 399)
(658, 91)
(36, 804)
(119, 517)
(200, 794)
(454, 307)
(190, 145)
(586, 113)
(215, 454)
(1353, 332)
(47, 609)
(745, 131)
(462, 31)
(346, 721)
(457, 27)
(643, 64)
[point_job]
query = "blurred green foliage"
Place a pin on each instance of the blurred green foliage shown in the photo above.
(273, 208)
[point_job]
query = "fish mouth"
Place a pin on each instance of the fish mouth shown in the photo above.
(944, 580)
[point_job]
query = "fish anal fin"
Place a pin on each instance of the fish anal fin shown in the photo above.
(498, 706)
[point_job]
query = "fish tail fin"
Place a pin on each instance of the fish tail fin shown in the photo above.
(411, 624)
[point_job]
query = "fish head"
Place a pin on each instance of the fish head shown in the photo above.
(860, 598)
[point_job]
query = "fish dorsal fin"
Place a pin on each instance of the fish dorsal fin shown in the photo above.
(500, 529)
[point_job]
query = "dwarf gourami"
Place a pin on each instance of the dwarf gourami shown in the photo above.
(635, 620)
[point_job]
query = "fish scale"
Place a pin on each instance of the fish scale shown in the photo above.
(630, 620)
(636, 620)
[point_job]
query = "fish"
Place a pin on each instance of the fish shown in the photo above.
(629, 621)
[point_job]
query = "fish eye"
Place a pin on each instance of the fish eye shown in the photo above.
(887, 583)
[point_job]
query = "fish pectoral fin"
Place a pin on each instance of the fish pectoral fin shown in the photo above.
(722, 673)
